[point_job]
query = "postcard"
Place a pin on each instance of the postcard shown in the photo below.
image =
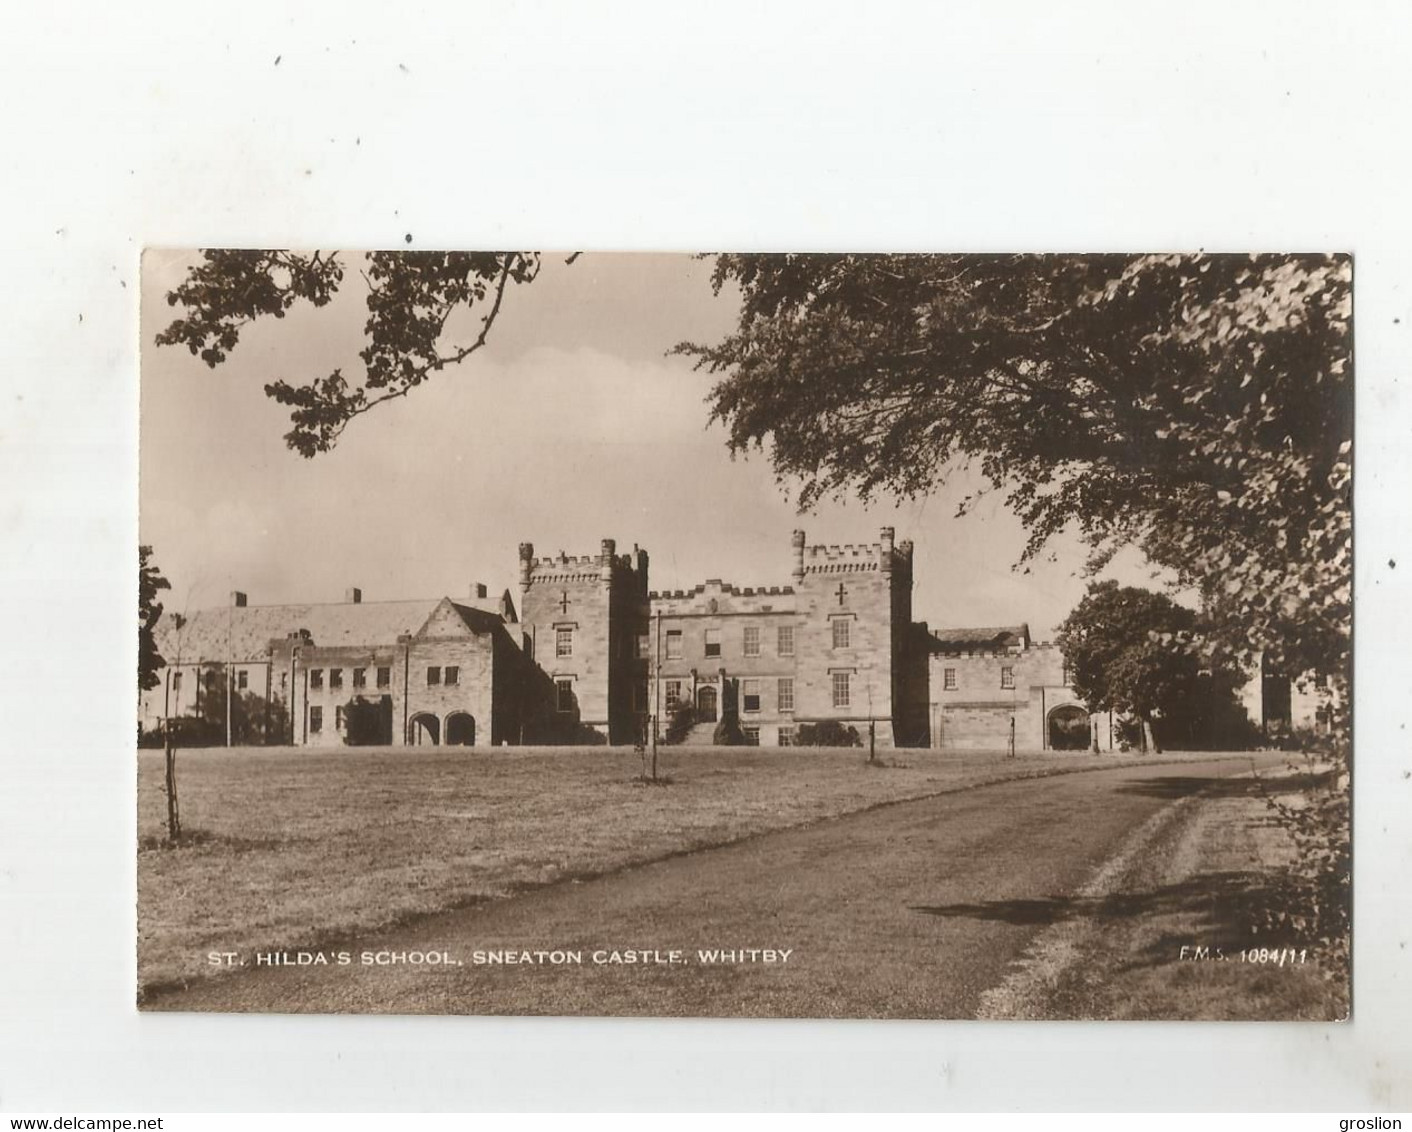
(745, 635)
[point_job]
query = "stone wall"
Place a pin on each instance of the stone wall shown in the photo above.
(688, 617)
(975, 713)
(470, 695)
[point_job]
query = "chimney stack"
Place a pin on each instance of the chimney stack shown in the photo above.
(354, 596)
(797, 542)
(237, 599)
(526, 564)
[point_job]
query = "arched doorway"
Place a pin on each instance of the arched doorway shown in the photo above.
(460, 730)
(706, 704)
(423, 730)
(1069, 728)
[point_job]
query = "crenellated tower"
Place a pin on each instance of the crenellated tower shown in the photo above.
(854, 609)
(582, 617)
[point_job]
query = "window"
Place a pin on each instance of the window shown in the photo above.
(565, 694)
(316, 719)
(1068, 677)
(673, 694)
(433, 675)
(452, 675)
(840, 633)
(563, 642)
(752, 640)
(644, 645)
(316, 677)
(210, 679)
(713, 642)
(360, 677)
(176, 681)
(948, 679)
(840, 688)
(784, 640)
(750, 695)
(339, 718)
(384, 677)
(242, 679)
(786, 737)
(673, 644)
(1007, 677)
(335, 677)
(283, 681)
(752, 736)
(786, 693)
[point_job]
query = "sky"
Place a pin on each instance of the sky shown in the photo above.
(572, 425)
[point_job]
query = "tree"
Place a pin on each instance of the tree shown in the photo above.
(410, 297)
(1195, 406)
(1132, 651)
(255, 720)
(828, 733)
(149, 611)
(368, 722)
(681, 719)
(179, 624)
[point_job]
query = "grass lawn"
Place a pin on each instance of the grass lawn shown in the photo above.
(289, 848)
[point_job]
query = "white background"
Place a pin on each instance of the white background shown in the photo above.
(1081, 126)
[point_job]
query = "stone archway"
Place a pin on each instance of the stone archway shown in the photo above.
(706, 703)
(1068, 728)
(460, 729)
(423, 730)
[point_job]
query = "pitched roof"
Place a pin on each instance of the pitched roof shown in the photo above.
(992, 636)
(243, 633)
(479, 620)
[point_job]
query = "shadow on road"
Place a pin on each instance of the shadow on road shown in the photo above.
(1227, 906)
(1172, 787)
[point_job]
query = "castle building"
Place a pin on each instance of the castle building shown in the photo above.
(318, 675)
(833, 646)
(591, 655)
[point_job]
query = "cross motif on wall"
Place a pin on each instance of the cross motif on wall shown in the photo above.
(842, 593)
(564, 602)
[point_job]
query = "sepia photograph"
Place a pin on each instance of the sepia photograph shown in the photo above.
(790, 558)
(813, 636)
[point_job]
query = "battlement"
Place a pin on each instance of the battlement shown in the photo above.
(605, 566)
(563, 561)
(847, 552)
(724, 588)
(822, 558)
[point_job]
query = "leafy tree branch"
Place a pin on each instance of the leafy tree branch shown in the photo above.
(1195, 406)
(410, 297)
